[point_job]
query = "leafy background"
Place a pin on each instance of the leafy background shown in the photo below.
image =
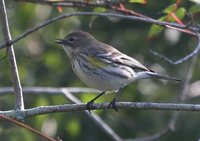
(41, 62)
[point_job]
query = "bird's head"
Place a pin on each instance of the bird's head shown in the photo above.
(76, 42)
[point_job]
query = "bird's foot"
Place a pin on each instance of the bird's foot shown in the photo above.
(112, 104)
(91, 102)
(89, 105)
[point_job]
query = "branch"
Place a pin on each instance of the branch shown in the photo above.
(19, 104)
(81, 107)
(70, 3)
(113, 5)
(133, 18)
(44, 136)
(154, 137)
(185, 88)
(120, 105)
(192, 54)
(99, 106)
(49, 90)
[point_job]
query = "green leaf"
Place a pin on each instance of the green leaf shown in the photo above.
(99, 9)
(138, 1)
(180, 13)
(156, 29)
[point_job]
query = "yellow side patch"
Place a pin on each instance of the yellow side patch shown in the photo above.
(96, 63)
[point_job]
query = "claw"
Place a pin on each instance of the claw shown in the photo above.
(89, 106)
(112, 105)
(91, 102)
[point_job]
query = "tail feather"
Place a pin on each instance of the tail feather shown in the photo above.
(158, 76)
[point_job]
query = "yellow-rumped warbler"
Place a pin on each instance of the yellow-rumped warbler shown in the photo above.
(101, 66)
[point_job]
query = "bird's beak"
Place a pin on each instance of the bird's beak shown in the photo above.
(59, 41)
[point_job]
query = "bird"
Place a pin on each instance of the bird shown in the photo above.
(103, 67)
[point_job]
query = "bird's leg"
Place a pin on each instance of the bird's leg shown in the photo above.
(90, 103)
(113, 102)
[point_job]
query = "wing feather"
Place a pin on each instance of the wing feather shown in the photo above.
(118, 58)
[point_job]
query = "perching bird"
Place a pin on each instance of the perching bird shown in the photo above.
(103, 67)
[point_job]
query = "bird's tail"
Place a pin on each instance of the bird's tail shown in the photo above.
(158, 76)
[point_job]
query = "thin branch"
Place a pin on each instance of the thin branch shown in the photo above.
(46, 137)
(94, 117)
(113, 5)
(80, 107)
(70, 3)
(185, 88)
(49, 90)
(67, 15)
(99, 106)
(157, 136)
(188, 77)
(119, 105)
(19, 104)
(187, 57)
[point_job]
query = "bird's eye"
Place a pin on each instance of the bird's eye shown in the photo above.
(71, 39)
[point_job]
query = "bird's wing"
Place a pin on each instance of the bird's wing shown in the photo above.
(117, 58)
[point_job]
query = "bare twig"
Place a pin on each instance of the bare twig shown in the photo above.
(188, 77)
(97, 106)
(67, 15)
(119, 105)
(69, 3)
(19, 104)
(28, 128)
(192, 54)
(154, 137)
(49, 90)
(185, 87)
(80, 107)
(114, 5)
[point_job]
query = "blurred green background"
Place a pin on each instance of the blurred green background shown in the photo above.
(41, 62)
